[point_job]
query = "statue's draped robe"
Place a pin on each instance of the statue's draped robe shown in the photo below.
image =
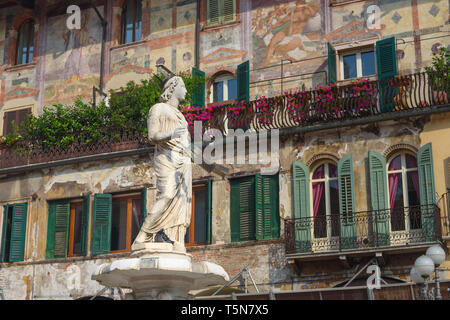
(173, 171)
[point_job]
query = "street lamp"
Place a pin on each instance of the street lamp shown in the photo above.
(424, 267)
(437, 254)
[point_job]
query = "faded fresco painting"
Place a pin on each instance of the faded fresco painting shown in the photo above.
(285, 30)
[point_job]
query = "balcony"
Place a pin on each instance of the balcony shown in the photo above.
(325, 107)
(365, 232)
(360, 102)
(110, 143)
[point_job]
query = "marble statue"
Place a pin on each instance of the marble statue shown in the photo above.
(167, 128)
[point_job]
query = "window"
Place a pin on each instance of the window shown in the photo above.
(198, 232)
(325, 200)
(220, 11)
(224, 88)
(254, 208)
(323, 205)
(403, 195)
(357, 64)
(125, 221)
(14, 118)
(67, 228)
(116, 221)
(13, 232)
(25, 43)
(380, 60)
(131, 21)
(404, 200)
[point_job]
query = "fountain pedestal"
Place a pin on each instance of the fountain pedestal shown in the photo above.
(160, 271)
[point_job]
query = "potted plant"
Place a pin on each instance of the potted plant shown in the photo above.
(439, 75)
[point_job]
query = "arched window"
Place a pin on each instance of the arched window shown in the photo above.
(131, 21)
(325, 200)
(403, 186)
(25, 43)
(224, 88)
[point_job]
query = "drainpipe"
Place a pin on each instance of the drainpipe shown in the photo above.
(197, 37)
(102, 58)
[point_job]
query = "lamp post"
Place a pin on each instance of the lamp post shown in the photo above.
(437, 254)
(424, 267)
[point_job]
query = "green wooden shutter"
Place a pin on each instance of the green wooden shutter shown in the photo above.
(266, 206)
(50, 250)
(85, 225)
(242, 209)
(18, 232)
(386, 58)
(143, 206)
(332, 67)
(427, 191)
(58, 229)
(212, 12)
(386, 68)
(301, 201)
(243, 81)
(379, 198)
(198, 95)
(347, 202)
(101, 230)
(4, 230)
(209, 212)
(228, 13)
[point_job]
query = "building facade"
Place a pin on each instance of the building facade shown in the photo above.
(363, 164)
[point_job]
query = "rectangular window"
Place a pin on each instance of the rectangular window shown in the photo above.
(125, 221)
(14, 118)
(131, 21)
(254, 208)
(75, 227)
(67, 228)
(13, 232)
(116, 221)
(357, 64)
(197, 232)
(220, 11)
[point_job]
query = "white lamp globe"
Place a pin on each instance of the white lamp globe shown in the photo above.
(424, 266)
(415, 277)
(437, 254)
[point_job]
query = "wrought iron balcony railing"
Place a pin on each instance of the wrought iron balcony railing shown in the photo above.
(404, 226)
(34, 152)
(359, 99)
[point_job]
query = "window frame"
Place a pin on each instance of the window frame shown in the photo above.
(191, 228)
(403, 171)
(129, 198)
(73, 205)
(328, 212)
(359, 68)
(30, 42)
(222, 78)
(17, 110)
(135, 22)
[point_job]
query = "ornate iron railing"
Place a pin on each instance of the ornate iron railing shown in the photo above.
(33, 152)
(330, 103)
(403, 226)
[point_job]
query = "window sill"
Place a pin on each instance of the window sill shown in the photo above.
(20, 67)
(220, 26)
(346, 82)
(128, 45)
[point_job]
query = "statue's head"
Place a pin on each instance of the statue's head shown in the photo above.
(174, 88)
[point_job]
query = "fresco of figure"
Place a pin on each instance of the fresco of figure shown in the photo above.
(284, 36)
(167, 128)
